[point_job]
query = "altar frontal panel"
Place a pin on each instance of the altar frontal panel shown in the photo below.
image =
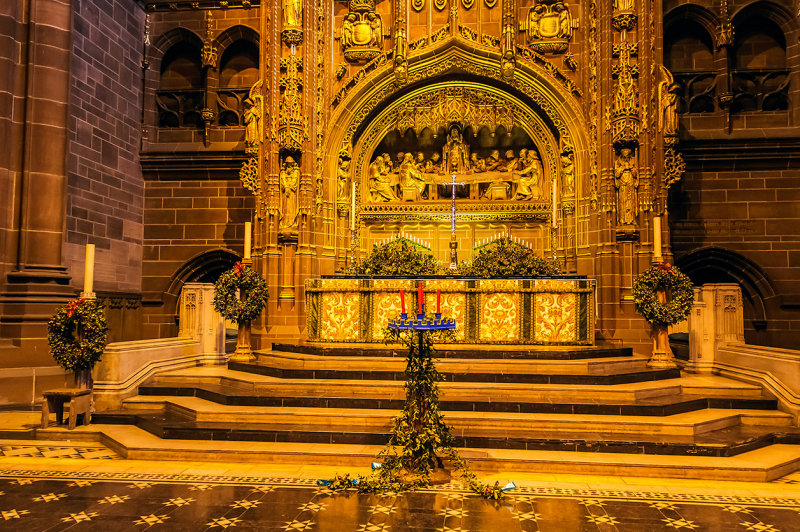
(491, 311)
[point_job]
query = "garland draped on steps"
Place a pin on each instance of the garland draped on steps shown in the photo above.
(410, 459)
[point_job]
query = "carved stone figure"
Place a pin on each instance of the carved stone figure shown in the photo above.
(410, 176)
(624, 6)
(529, 177)
(510, 163)
(493, 161)
(379, 186)
(455, 153)
(668, 99)
(626, 181)
(362, 32)
(568, 172)
(342, 177)
(549, 26)
(432, 165)
(292, 13)
(289, 181)
(388, 167)
(252, 122)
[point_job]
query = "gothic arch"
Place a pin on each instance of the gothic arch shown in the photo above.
(457, 58)
(691, 13)
(233, 34)
(714, 264)
(775, 13)
(205, 267)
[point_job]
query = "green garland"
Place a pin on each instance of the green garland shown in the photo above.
(505, 258)
(679, 291)
(410, 457)
(226, 300)
(400, 257)
(77, 334)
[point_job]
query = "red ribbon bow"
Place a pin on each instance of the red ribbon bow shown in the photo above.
(665, 267)
(239, 267)
(72, 306)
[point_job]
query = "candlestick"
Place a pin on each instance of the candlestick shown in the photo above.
(403, 301)
(353, 208)
(420, 296)
(248, 229)
(555, 211)
(657, 238)
(88, 271)
(438, 301)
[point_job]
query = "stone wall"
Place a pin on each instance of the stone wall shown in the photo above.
(105, 187)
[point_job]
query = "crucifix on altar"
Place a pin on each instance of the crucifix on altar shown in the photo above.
(453, 241)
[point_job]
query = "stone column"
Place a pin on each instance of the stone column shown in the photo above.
(39, 281)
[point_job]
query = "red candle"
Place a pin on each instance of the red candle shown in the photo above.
(403, 301)
(420, 298)
(438, 301)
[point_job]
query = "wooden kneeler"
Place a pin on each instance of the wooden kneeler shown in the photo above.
(79, 400)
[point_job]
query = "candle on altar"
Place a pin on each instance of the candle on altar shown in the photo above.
(88, 269)
(248, 229)
(438, 301)
(403, 301)
(657, 238)
(420, 298)
(555, 211)
(353, 208)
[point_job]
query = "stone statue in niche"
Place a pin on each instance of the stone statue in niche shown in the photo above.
(292, 13)
(289, 180)
(342, 177)
(549, 26)
(379, 186)
(362, 32)
(528, 177)
(455, 153)
(568, 172)
(624, 6)
(626, 181)
(668, 98)
(411, 177)
(252, 122)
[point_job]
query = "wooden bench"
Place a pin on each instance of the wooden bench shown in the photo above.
(79, 400)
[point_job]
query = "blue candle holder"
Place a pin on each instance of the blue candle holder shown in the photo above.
(421, 323)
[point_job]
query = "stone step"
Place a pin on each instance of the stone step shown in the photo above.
(462, 351)
(230, 394)
(353, 363)
(507, 423)
(273, 367)
(722, 442)
(759, 465)
(708, 386)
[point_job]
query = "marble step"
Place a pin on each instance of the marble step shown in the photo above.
(229, 394)
(368, 364)
(705, 385)
(759, 465)
(463, 351)
(273, 366)
(722, 442)
(509, 423)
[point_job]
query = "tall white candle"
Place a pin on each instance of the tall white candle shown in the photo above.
(88, 269)
(555, 209)
(248, 230)
(353, 208)
(656, 237)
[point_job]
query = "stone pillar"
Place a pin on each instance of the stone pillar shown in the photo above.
(716, 319)
(198, 319)
(38, 280)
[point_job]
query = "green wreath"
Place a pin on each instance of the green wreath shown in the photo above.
(77, 334)
(226, 300)
(679, 290)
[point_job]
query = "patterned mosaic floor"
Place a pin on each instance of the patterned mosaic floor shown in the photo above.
(128, 501)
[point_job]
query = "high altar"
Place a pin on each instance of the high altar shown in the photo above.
(366, 109)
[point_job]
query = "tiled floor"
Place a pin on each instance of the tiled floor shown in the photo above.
(78, 486)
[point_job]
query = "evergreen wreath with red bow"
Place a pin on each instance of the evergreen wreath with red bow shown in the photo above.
(226, 297)
(77, 334)
(679, 291)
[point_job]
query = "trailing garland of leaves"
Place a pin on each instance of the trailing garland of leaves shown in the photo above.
(505, 258)
(679, 294)
(247, 281)
(77, 334)
(399, 257)
(410, 457)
